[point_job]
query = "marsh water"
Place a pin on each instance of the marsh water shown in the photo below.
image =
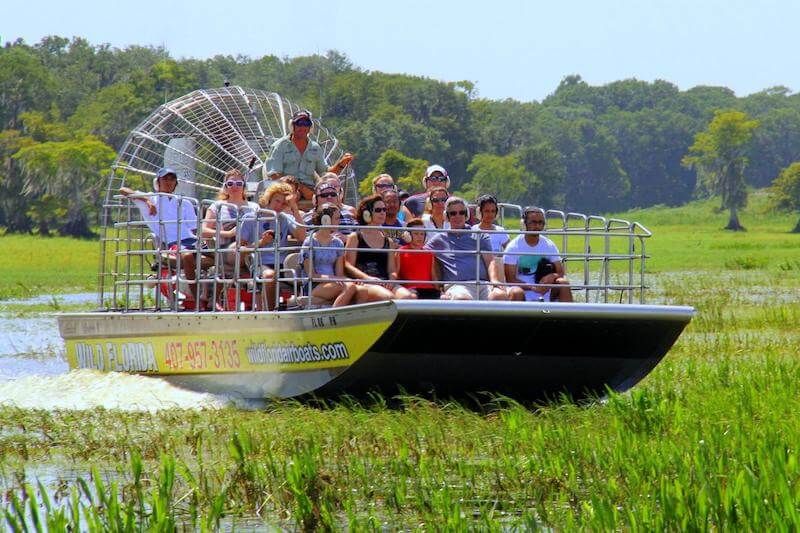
(34, 373)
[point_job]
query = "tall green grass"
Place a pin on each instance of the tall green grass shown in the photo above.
(708, 441)
(32, 265)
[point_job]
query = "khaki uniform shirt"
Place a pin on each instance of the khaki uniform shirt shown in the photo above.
(286, 159)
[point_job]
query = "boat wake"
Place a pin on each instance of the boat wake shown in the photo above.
(89, 389)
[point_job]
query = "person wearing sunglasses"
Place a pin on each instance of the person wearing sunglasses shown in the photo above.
(370, 255)
(527, 258)
(394, 226)
(460, 269)
(435, 176)
(328, 192)
(223, 218)
(434, 217)
(382, 184)
(301, 156)
(262, 231)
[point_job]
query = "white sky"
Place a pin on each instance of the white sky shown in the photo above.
(517, 49)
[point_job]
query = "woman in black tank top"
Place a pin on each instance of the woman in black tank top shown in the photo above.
(374, 264)
(370, 256)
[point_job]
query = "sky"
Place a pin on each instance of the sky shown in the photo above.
(509, 49)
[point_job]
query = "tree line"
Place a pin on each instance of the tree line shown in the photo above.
(67, 104)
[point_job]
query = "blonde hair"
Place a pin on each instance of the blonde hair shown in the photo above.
(380, 176)
(223, 193)
(428, 205)
(276, 187)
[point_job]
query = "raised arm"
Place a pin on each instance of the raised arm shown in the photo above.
(343, 161)
(298, 232)
(127, 191)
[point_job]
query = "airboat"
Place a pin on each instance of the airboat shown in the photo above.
(608, 339)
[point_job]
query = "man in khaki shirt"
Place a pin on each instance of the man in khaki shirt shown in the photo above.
(297, 155)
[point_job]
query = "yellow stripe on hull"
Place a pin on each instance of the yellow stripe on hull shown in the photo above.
(223, 353)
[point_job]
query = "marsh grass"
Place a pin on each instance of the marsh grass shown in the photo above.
(34, 265)
(709, 440)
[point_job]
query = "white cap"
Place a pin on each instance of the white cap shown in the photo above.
(436, 168)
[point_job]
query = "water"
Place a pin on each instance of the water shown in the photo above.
(34, 373)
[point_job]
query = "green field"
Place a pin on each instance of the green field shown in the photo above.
(710, 440)
(33, 265)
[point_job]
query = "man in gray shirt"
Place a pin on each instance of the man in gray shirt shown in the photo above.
(463, 269)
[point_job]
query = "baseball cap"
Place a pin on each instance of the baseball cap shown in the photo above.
(435, 168)
(164, 171)
(301, 114)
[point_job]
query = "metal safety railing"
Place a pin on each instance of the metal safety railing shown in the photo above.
(149, 262)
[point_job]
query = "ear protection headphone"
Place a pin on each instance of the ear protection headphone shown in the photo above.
(366, 216)
(325, 216)
(528, 210)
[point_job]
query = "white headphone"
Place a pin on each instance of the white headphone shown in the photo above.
(366, 216)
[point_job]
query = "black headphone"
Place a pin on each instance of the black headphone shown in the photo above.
(532, 209)
(325, 216)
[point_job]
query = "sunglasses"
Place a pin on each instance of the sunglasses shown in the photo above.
(384, 185)
(378, 209)
(462, 212)
(303, 123)
(440, 179)
(234, 183)
(438, 200)
(328, 195)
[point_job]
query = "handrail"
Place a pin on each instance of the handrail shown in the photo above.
(130, 241)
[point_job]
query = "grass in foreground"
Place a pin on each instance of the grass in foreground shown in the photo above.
(708, 441)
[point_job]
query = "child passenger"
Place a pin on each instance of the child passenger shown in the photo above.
(416, 263)
(327, 263)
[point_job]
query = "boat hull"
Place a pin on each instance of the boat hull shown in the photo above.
(523, 350)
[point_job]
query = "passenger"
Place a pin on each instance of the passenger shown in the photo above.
(367, 264)
(414, 263)
(403, 196)
(295, 185)
(461, 270)
(220, 222)
(393, 220)
(298, 155)
(435, 176)
(327, 192)
(434, 217)
(532, 267)
(164, 215)
(487, 210)
(383, 183)
(333, 178)
(327, 263)
(259, 232)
